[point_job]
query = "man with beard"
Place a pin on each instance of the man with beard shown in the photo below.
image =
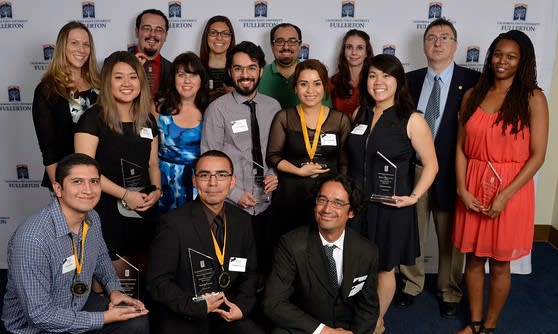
(151, 31)
(238, 124)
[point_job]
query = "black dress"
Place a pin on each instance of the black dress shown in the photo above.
(124, 159)
(292, 203)
(394, 230)
(55, 120)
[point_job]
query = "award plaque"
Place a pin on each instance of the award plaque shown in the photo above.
(490, 185)
(385, 177)
(129, 279)
(133, 177)
(204, 274)
(258, 190)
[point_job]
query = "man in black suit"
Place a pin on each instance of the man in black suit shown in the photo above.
(310, 291)
(211, 227)
(441, 108)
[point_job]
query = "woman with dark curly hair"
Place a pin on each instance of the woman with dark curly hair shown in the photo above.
(501, 143)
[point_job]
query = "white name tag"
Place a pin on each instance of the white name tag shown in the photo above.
(69, 264)
(239, 126)
(328, 139)
(359, 129)
(358, 283)
(237, 264)
(146, 133)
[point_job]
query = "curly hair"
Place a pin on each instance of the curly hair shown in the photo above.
(514, 111)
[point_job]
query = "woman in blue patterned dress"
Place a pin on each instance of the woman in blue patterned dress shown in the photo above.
(179, 117)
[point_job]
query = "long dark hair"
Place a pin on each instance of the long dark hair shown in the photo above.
(169, 102)
(391, 65)
(341, 79)
(204, 47)
(514, 111)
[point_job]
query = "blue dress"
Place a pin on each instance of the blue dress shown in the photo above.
(179, 149)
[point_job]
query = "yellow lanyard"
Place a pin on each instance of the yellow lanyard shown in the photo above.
(218, 251)
(79, 264)
(311, 150)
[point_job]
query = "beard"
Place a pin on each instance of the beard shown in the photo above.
(150, 52)
(243, 90)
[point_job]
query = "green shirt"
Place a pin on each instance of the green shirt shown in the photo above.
(273, 84)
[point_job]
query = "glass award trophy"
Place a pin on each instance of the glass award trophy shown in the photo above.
(129, 278)
(204, 274)
(490, 185)
(133, 178)
(385, 176)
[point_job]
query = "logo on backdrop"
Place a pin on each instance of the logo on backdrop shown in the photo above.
(14, 100)
(131, 47)
(22, 181)
(47, 55)
(434, 12)
(89, 17)
(388, 49)
(304, 52)
(261, 17)
(175, 17)
(519, 20)
(472, 58)
(7, 20)
(346, 18)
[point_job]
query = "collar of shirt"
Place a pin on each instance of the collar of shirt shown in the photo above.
(240, 99)
(274, 69)
(338, 243)
(156, 61)
(211, 215)
(445, 75)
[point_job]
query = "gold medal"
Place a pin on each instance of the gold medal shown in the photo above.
(79, 288)
(224, 280)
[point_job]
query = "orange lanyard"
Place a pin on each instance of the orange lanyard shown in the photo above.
(311, 149)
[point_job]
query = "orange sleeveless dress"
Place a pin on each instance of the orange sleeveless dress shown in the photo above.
(509, 236)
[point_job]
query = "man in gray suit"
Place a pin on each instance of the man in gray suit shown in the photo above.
(324, 274)
(441, 107)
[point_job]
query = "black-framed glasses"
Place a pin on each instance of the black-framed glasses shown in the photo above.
(219, 176)
(289, 41)
(442, 38)
(338, 204)
(250, 69)
(215, 33)
(157, 30)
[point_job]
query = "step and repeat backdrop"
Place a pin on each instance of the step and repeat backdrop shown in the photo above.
(28, 30)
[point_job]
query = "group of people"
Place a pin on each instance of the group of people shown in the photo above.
(231, 183)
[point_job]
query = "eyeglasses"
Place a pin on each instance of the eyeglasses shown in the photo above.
(215, 33)
(442, 39)
(282, 41)
(219, 176)
(148, 29)
(322, 200)
(237, 69)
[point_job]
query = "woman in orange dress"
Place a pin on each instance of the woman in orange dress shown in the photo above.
(501, 144)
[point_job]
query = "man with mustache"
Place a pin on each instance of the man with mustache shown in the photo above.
(152, 27)
(238, 124)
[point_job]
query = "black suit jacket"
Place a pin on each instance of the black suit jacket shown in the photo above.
(169, 277)
(165, 75)
(299, 293)
(443, 189)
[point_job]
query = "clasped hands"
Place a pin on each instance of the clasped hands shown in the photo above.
(215, 300)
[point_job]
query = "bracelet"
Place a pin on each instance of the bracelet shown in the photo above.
(160, 190)
(125, 193)
(414, 195)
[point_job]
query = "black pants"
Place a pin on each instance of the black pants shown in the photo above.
(99, 303)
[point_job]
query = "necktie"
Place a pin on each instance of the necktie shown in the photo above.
(256, 144)
(432, 111)
(150, 74)
(331, 264)
(219, 229)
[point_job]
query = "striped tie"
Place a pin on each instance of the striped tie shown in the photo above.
(432, 111)
(331, 264)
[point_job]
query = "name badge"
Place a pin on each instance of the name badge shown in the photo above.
(237, 264)
(146, 133)
(239, 126)
(358, 283)
(69, 264)
(328, 139)
(359, 129)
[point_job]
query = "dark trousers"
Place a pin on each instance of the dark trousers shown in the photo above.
(261, 225)
(99, 303)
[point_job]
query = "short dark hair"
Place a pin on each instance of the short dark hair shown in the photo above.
(217, 154)
(154, 12)
(284, 25)
(442, 21)
(356, 197)
(253, 51)
(66, 164)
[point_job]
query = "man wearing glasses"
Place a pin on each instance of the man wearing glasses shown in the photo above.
(238, 124)
(151, 31)
(198, 294)
(437, 90)
(324, 274)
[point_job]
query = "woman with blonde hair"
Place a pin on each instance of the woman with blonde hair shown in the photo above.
(68, 88)
(121, 134)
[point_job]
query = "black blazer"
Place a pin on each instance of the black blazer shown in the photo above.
(443, 189)
(299, 293)
(165, 82)
(169, 277)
